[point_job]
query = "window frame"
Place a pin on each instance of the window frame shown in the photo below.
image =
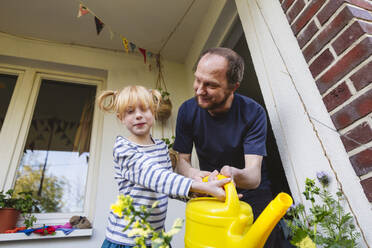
(17, 123)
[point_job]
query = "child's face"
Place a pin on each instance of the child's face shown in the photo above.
(138, 120)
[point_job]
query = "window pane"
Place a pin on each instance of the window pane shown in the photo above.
(55, 161)
(7, 84)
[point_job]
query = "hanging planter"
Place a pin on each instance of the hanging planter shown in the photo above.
(165, 105)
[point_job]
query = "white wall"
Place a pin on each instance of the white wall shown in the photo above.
(122, 70)
(297, 113)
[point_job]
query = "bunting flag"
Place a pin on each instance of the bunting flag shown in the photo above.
(143, 51)
(99, 25)
(132, 46)
(125, 43)
(82, 11)
(149, 54)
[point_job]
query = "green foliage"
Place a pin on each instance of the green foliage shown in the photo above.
(23, 202)
(164, 94)
(169, 141)
(140, 227)
(52, 192)
(327, 225)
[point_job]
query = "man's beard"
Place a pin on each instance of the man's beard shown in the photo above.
(215, 105)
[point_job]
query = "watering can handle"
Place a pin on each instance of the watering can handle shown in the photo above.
(232, 200)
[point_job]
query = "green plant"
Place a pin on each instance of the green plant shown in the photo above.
(327, 224)
(169, 141)
(23, 202)
(164, 94)
(137, 219)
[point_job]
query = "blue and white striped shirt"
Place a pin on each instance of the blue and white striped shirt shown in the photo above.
(144, 172)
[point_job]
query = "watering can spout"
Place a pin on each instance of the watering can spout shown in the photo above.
(265, 223)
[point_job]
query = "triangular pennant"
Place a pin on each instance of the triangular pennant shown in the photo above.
(132, 46)
(99, 25)
(82, 11)
(143, 51)
(125, 43)
(149, 54)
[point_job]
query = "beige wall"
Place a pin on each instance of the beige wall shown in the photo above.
(121, 70)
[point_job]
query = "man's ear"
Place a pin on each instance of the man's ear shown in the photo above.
(236, 86)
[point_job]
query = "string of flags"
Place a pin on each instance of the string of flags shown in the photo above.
(128, 45)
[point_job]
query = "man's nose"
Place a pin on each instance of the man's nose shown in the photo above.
(200, 90)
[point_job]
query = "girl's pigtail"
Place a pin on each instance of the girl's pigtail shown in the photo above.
(156, 96)
(107, 100)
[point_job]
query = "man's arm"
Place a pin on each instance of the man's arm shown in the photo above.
(250, 176)
(184, 167)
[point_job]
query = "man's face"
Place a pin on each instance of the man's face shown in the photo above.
(211, 87)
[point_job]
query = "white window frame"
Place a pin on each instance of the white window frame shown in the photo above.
(17, 123)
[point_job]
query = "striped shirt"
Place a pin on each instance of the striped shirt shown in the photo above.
(144, 172)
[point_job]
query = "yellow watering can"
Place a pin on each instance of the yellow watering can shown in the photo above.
(211, 223)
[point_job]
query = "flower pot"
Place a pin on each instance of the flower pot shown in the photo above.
(9, 218)
(164, 110)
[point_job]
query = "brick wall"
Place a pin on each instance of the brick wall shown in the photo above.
(335, 37)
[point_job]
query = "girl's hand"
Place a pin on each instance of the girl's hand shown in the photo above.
(214, 188)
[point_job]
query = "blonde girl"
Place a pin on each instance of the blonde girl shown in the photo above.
(142, 165)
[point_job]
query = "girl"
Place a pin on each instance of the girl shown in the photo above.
(142, 167)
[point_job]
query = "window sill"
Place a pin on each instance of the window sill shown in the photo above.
(59, 234)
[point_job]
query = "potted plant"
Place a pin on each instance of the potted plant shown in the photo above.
(165, 105)
(326, 224)
(12, 206)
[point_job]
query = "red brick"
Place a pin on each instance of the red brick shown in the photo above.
(333, 28)
(286, 4)
(351, 34)
(333, 5)
(306, 15)
(362, 77)
(361, 134)
(365, 4)
(362, 162)
(353, 111)
(293, 12)
(321, 62)
(348, 62)
(337, 96)
(367, 187)
(307, 33)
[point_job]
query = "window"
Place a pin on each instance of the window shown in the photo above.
(51, 132)
(7, 84)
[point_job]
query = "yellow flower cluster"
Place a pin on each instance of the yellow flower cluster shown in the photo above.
(140, 227)
(122, 203)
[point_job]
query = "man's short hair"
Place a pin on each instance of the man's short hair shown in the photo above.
(235, 70)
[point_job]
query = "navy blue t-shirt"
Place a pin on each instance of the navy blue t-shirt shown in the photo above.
(223, 139)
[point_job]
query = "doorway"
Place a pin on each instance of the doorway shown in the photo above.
(251, 88)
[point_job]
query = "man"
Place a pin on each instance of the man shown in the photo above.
(227, 129)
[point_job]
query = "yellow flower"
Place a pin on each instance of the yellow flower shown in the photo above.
(306, 243)
(116, 208)
(155, 204)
